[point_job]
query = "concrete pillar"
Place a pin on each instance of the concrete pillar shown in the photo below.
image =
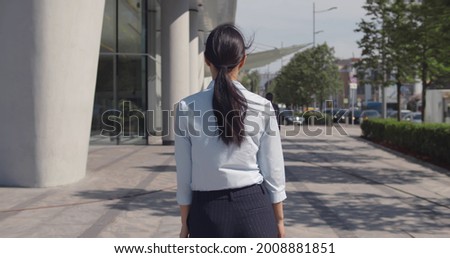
(193, 51)
(175, 60)
(48, 70)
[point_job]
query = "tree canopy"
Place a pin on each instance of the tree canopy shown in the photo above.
(403, 41)
(310, 73)
(251, 81)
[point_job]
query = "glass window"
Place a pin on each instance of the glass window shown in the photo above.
(121, 90)
(129, 26)
(108, 41)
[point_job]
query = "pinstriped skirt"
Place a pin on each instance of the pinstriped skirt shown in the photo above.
(232, 213)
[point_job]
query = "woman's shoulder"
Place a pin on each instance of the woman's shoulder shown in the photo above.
(251, 96)
(257, 98)
(196, 99)
(257, 102)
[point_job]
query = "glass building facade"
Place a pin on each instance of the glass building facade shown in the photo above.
(131, 91)
(126, 72)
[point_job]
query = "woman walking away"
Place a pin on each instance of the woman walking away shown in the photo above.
(230, 169)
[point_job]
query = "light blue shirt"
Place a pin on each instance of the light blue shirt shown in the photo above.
(206, 163)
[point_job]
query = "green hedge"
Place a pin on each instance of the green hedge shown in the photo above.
(431, 140)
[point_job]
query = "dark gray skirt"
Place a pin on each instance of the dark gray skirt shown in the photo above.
(232, 213)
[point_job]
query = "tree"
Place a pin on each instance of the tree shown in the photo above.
(311, 72)
(326, 73)
(374, 50)
(251, 81)
(430, 36)
(401, 61)
(287, 88)
(405, 40)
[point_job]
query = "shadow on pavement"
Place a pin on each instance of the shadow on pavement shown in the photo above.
(158, 202)
(328, 157)
(351, 175)
(346, 212)
(162, 168)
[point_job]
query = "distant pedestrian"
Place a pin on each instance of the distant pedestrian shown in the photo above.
(230, 182)
(269, 96)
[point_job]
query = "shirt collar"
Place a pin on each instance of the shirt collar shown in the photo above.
(236, 83)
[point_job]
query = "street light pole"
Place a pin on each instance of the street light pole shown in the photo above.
(314, 25)
(314, 20)
(316, 32)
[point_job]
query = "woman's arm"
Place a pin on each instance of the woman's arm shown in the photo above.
(279, 216)
(184, 210)
(271, 163)
(183, 159)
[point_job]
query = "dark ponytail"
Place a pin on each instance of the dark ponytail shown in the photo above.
(225, 49)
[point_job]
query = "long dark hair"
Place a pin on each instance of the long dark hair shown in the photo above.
(225, 49)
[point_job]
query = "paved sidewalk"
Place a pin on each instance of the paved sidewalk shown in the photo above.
(338, 186)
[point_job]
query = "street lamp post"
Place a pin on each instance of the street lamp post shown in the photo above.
(314, 20)
(314, 26)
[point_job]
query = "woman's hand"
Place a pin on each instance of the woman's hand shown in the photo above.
(184, 233)
(279, 217)
(184, 211)
(281, 230)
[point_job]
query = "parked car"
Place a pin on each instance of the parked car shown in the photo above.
(369, 114)
(331, 112)
(287, 117)
(347, 116)
(415, 117)
(390, 112)
(403, 113)
(338, 115)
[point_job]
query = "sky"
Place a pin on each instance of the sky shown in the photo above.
(274, 23)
